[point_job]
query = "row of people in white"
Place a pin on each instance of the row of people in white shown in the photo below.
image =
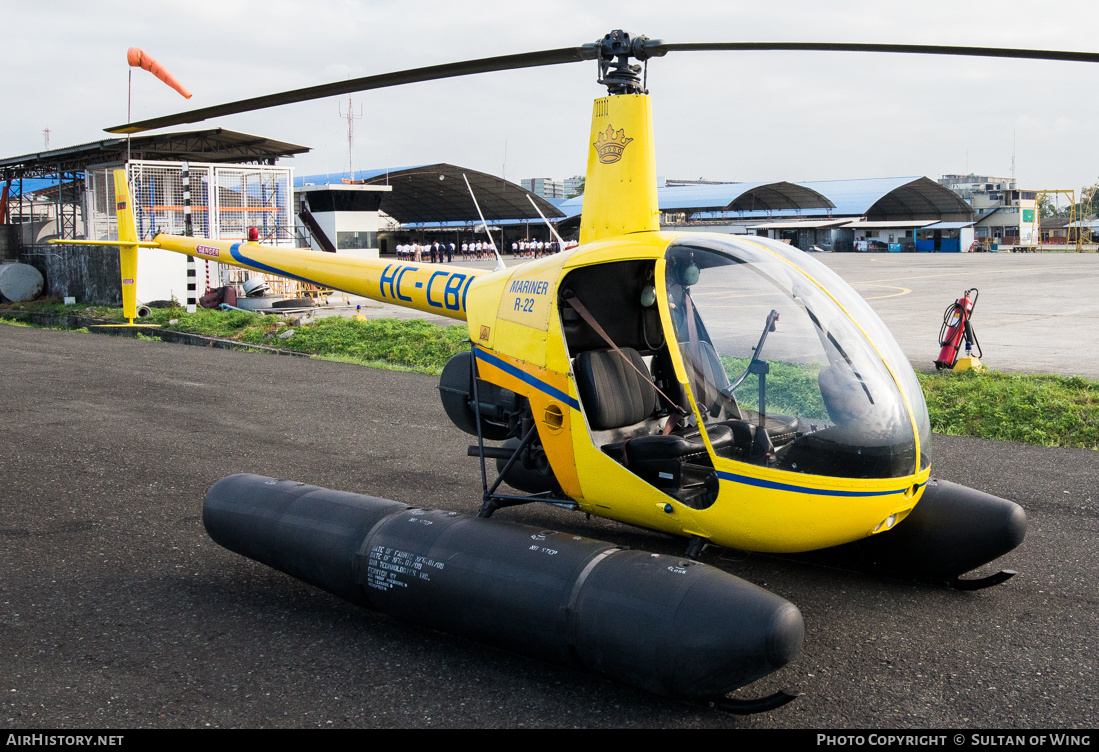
(477, 249)
(534, 248)
(437, 252)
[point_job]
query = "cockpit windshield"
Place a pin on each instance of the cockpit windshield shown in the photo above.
(776, 359)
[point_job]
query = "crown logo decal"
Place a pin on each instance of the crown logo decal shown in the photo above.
(611, 144)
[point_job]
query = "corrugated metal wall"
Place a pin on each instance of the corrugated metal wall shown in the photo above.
(89, 273)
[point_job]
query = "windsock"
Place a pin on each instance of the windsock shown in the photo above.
(138, 58)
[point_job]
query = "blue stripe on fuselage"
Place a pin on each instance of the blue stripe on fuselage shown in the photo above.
(749, 481)
(234, 251)
(526, 378)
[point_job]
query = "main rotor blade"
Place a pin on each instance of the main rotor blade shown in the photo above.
(651, 47)
(914, 49)
(430, 73)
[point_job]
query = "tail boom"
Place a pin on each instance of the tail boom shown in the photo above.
(422, 287)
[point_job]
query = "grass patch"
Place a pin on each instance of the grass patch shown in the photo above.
(13, 321)
(210, 323)
(1043, 410)
(55, 306)
(416, 344)
(791, 388)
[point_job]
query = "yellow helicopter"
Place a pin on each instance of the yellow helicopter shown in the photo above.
(730, 390)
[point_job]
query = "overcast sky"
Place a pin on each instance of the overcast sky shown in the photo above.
(718, 115)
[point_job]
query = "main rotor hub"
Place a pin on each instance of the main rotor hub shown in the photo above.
(614, 52)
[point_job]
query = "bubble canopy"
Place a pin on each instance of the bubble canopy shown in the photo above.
(781, 350)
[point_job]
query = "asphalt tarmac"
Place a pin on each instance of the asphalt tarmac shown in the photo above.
(1035, 313)
(117, 611)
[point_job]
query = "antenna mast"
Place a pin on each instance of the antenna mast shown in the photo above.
(351, 118)
(1013, 156)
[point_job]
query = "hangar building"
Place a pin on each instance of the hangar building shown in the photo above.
(902, 213)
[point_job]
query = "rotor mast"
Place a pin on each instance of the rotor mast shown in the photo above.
(620, 188)
(614, 52)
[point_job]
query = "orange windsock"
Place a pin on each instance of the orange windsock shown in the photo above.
(138, 58)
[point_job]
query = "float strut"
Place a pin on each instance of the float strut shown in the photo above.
(695, 547)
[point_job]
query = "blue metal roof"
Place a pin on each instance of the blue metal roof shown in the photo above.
(912, 196)
(852, 197)
(30, 185)
(855, 197)
(571, 207)
(709, 196)
(715, 197)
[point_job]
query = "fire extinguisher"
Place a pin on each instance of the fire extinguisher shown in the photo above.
(958, 325)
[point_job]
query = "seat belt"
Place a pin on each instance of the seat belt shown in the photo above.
(584, 314)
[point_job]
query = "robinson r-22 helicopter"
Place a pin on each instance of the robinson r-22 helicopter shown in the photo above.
(730, 390)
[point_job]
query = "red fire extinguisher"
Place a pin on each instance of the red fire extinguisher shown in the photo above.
(957, 325)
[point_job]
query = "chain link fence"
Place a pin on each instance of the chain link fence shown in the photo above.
(225, 202)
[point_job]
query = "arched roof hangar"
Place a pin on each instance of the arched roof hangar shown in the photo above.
(438, 193)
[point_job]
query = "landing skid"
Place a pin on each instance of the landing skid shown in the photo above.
(750, 707)
(828, 560)
(983, 582)
(951, 531)
(494, 502)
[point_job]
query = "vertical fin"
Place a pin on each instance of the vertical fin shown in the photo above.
(127, 248)
(620, 188)
(127, 226)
